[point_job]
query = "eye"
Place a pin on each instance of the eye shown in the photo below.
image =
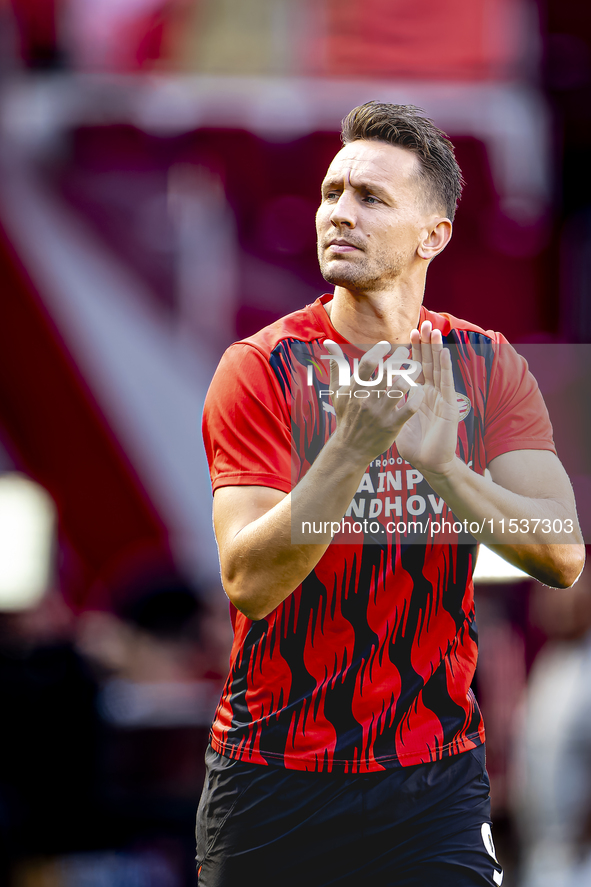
(332, 195)
(369, 198)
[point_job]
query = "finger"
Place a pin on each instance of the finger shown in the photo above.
(399, 359)
(436, 349)
(370, 360)
(399, 370)
(400, 354)
(333, 348)
(426, 328)
(415, 341)
(447, 378)
(426, 352)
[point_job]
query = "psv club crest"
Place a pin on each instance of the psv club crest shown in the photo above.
(464, 405)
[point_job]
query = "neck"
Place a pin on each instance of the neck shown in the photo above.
(367, 319)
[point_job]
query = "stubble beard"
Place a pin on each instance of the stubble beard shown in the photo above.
(361, 274)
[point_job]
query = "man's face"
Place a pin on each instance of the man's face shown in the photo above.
(373, 214)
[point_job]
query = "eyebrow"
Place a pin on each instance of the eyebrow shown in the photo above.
(337, 182)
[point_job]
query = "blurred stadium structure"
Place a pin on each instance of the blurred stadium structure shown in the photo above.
(160, 171)
(160, 163)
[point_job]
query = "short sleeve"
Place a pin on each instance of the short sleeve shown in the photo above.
(516, 416)
(246, 423)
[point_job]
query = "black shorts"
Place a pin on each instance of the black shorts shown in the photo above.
(422, 826)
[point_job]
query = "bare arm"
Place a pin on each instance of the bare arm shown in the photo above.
(530, 488)
(260, 564)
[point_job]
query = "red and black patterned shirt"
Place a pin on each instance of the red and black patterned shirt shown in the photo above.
(368, 663)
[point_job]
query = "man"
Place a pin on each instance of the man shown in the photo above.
(347, 748)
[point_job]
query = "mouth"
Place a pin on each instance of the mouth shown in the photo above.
(341, 246)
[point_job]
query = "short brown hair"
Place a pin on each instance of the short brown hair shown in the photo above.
(408, 127)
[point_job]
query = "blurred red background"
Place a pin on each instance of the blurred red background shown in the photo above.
(160, 165)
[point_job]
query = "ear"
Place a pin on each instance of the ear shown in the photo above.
(435, 238)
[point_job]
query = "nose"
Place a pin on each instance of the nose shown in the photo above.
(344, 211)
